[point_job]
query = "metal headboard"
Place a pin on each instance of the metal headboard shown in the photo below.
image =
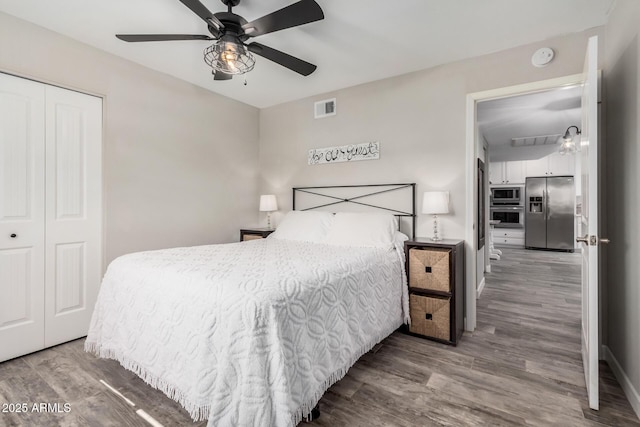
(337, 200)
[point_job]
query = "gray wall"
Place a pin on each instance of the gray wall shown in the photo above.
(419, 119)
(622, 141)
(180, 163)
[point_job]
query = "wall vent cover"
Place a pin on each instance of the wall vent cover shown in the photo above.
(324, 108)
(529, 141)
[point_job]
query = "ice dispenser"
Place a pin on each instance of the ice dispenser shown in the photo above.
(535, 204)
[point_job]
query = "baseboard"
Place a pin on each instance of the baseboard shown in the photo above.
(480, 288)
(629, 390)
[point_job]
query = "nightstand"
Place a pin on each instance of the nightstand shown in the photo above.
(435, 274)
(254, 233)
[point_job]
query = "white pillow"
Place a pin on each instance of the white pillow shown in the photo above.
(362, 229)
(400, 238)
(306, 226)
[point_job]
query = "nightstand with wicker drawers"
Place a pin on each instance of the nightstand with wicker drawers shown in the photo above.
(254, 233)
(435, 273)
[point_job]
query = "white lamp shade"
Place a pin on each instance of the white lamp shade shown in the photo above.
(268, 203)
(435, 202)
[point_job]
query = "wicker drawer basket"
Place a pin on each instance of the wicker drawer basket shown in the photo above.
(251, 237)
(430, 316)
(429, 269)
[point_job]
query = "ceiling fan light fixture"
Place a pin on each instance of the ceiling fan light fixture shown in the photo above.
(229, 56)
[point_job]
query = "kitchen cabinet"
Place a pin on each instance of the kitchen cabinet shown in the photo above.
(507, 172)
(553, 164)
(508, 237)
(561, 164)
(539, 167)
(515, 172)
(496, 172)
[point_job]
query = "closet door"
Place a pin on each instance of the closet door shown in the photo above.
(21, 216)
(73, 212)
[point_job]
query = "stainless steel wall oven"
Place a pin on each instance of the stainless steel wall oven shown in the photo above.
(509, 216)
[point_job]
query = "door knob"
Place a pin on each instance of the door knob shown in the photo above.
(591, 240)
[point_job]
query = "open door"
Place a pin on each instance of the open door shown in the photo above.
(589, 221)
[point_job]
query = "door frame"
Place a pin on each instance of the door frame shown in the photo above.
(471, 182)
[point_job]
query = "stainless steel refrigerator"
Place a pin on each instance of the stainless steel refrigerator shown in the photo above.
(549, 213)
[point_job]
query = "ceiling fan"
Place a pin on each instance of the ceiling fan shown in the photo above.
(230, 55)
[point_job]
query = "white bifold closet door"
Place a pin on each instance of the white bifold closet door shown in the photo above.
(73, 210)
(50, 214)
(21, 216)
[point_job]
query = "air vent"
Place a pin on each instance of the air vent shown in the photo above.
(325, 108)
(530, 141)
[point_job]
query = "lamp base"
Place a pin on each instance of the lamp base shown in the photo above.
(435, 237)
(269, 221)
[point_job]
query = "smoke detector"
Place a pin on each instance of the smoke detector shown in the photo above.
(542, 57)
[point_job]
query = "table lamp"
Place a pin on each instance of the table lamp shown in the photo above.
(435, 203)
(268, 204)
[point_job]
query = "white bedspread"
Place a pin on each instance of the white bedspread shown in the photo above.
(247, 334)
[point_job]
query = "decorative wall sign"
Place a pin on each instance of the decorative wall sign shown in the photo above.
(345, 153)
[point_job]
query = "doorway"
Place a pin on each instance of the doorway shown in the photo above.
(475, 146)
(589, 170)
(530, 282)
(531, 291)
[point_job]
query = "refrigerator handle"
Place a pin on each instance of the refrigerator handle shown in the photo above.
(544, 205)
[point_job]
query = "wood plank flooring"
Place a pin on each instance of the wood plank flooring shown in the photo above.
(522, 366)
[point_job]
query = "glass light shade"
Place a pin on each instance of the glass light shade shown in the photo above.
(435, 202)
(568, 147)
(229, 56)
(268, 203)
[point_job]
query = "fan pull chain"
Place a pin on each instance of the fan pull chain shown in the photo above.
(245, 80)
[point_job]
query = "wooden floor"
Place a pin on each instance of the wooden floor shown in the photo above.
(522, 366)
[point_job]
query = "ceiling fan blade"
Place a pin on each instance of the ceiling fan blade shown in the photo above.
(160, 37)
(302, 12)
(219, 75)
(204, 13)
(286, 60)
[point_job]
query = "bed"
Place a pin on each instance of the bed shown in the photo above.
(254, 333)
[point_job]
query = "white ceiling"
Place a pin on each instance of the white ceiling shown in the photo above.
(357, 42)
(525, 116)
